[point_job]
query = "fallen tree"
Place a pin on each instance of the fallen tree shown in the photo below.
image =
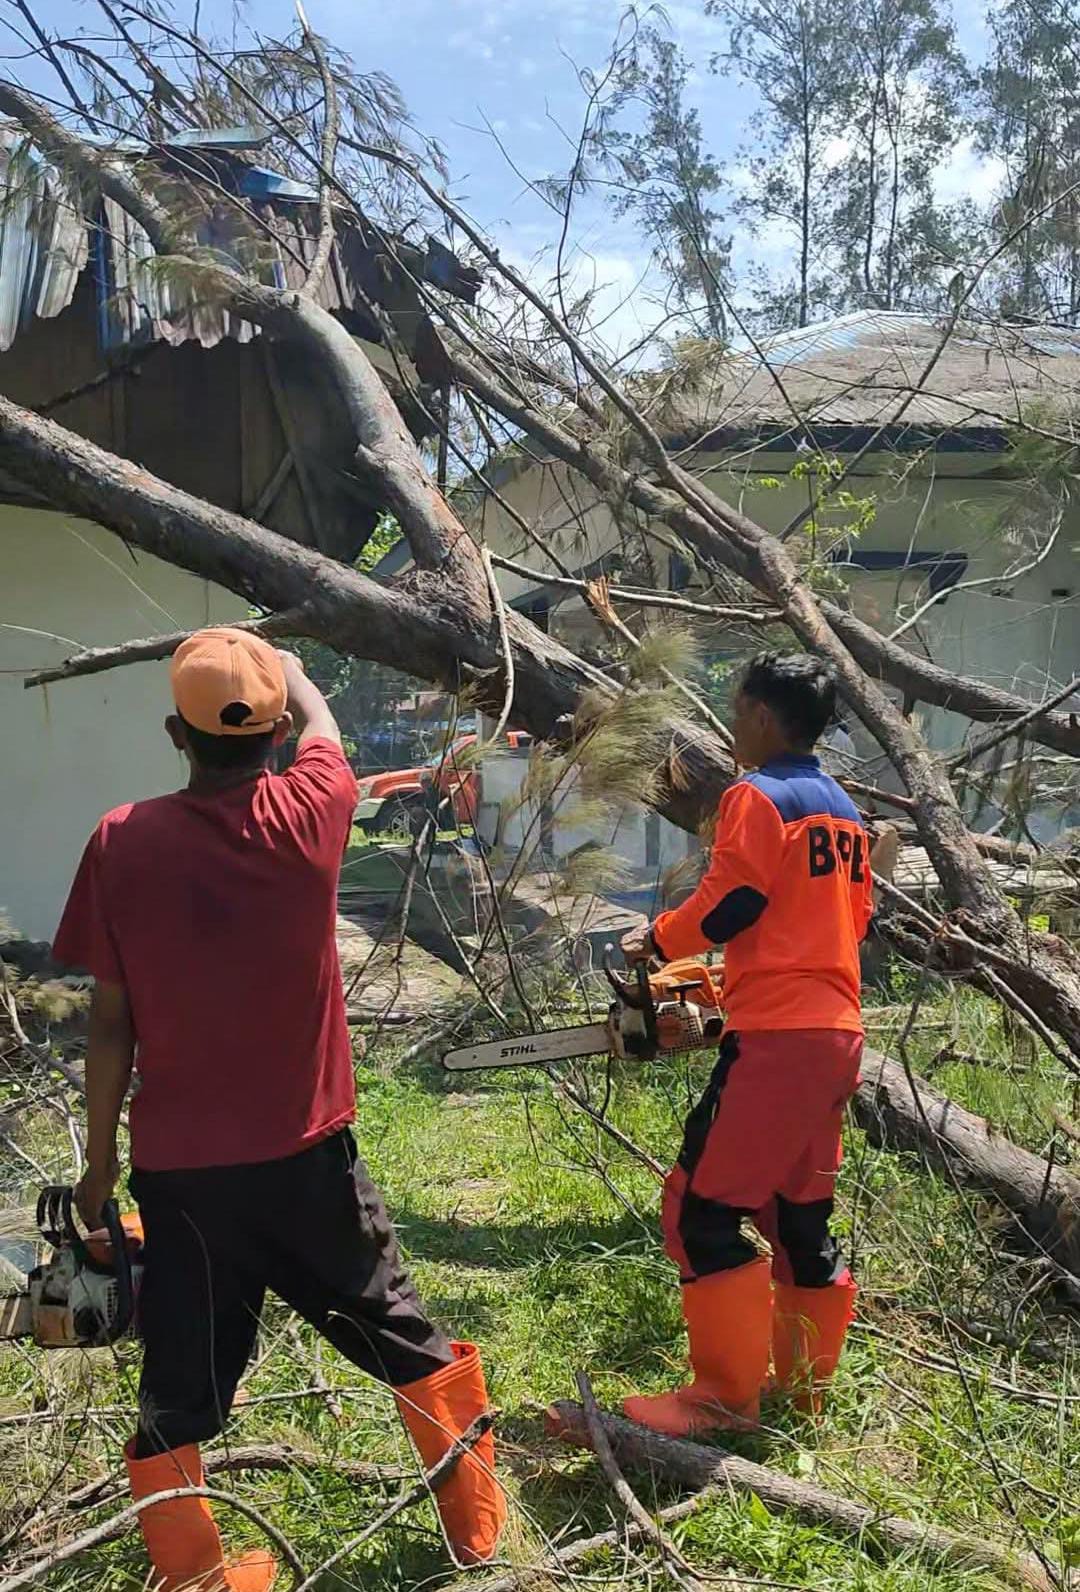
(903, 1112)
(449, 625)
(693, 1465)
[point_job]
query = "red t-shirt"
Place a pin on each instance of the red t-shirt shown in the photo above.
(217, 915)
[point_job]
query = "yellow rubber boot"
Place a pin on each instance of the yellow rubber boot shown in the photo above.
(180, 1535)
(728, 1320)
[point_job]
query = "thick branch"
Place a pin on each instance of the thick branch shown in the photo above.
(1045, 1199)
(429, 631)
(919, 678)
(694, 1465)
(96, 660)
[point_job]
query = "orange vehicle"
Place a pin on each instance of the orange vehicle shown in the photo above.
(447, 787)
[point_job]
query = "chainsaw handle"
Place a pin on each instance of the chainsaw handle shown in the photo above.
(56, 1208)
(639, 999)
(125, 1283)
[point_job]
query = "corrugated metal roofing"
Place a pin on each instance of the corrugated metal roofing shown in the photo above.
(47, 238)
(876, 368)
(862, 328)
(43, 239)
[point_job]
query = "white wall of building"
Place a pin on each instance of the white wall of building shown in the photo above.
(1017, 631)
(75, 749)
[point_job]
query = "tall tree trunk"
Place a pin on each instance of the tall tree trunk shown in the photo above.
(871, 198)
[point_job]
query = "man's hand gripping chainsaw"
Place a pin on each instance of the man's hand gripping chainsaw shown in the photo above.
(678, 1008)
(85, 1294)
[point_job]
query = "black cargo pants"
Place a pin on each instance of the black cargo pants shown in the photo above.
(313, 1230)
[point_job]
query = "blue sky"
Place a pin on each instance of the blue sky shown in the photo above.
(465, 65)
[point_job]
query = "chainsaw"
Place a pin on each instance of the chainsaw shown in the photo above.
(84, 1295)
(651, 1015)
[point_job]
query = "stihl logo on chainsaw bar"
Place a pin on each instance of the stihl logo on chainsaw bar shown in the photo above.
(518, 1050)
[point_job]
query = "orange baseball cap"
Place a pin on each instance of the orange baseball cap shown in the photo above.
(228, 682)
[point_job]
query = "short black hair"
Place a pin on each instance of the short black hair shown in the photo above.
(800, 689)
(229, 754)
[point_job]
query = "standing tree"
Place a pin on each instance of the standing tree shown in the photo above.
(797, 57)
(668, 184)
(908, 83)
(1031, 123)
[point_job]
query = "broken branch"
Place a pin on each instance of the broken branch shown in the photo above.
(95, 660)
(694, 1465)
(677, 1567)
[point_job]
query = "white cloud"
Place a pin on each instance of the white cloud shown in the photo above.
(836, 151)
(469, 43)
(968, 174)
(622, 311)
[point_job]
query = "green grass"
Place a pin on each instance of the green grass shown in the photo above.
(534, 1235)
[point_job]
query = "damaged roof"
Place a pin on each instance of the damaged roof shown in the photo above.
(871, 368)
(48, 237)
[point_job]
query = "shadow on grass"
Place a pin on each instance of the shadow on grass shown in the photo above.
(508, 1246)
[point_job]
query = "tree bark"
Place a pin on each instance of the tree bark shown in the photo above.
(430, 629)
(1044, 1199)
(694, 1465)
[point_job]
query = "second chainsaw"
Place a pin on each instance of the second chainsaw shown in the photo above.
(85, 1294)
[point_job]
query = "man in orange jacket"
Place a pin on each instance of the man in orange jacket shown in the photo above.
(207, 920)
(788, 894)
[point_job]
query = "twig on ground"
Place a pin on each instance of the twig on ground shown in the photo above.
(120, 1524)
(676, 1566)
(250, 1456)
(563, 1559)
(430, 1482)
(650, 1161)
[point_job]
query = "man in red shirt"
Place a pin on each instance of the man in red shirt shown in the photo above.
(207, 920)
(788, 894)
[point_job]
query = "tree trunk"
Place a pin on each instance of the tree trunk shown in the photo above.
(1044, 1199)
(694, 1465)
(430, 629)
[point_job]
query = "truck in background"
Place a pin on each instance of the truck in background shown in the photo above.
(446, 787)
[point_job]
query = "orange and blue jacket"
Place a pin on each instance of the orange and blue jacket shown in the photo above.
(788, 892)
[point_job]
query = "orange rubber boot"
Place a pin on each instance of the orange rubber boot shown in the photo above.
(728, 1318)
(180, 1535)
(809, 1328)
(436, 1410)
